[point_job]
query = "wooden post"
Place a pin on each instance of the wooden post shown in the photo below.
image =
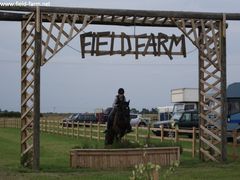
(148, 135)
(67, 129)
(176, 134)
(78, 129)
(200, 89)
(45, 126)
(55, 126)
(136, 138)
(72, 129)
(4, 123)
(58, 127)
(98, 131)
(62, 128)
(84, 130)
(36, 102)
(193, 142)
(91, 130)
(162, 133)
(223, 88)
(48, 125)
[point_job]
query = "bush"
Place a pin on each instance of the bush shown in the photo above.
(10, 114)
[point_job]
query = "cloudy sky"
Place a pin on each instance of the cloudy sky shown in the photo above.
(72, 84)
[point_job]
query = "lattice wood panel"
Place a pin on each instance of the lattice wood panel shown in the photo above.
(206, 35)
(56, 35)
(27, 88)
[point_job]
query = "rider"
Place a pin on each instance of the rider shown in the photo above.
(118, 99)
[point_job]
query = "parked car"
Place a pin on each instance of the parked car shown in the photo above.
(79, 117)
(188, 120)
(182, 120)
(135, 119)
(138, 120)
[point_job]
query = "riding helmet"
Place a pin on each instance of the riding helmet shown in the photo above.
(120, 91)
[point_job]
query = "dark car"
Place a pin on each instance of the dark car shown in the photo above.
(79, 117)
(188, 120)
(182, 120)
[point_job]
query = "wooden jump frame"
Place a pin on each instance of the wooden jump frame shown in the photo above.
(44, 34)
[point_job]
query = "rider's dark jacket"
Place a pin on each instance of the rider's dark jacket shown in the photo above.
(118, 99)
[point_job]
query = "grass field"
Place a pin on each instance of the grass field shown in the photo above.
(55, 162)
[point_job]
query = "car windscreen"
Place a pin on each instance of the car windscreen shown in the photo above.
(72, 116)
(177, 116)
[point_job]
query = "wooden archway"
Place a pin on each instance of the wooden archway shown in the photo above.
(44, 34)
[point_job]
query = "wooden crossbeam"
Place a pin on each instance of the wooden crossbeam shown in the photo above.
(210, 133)
(210, 145)
(207, 154)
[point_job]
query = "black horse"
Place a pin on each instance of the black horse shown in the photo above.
(120, 124)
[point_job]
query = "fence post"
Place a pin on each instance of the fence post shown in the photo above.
(62, 127)
(54, 127)
(91, 130)
(58, 127)
(98, 131)
(176, 134)
(49, 126)
(67, 128)
(84, 130)
(4, 123)
(193, 142)
(45, 127)
(162, 133)
(136, 133)
(78, 129)
(73, 128)
(148, 135)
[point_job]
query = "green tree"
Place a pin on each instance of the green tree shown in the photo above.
(145, 111)
(154, 111)
(134, 110)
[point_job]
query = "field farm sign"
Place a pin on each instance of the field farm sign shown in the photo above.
(109, 43)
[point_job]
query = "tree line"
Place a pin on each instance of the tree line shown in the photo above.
(144, 111)
(6, 113)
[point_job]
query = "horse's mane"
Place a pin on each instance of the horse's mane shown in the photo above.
(122, 116)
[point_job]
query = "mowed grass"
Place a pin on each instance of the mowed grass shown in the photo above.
(54, 159)
(55, 162)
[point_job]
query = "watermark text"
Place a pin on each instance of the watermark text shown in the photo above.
(25, 3)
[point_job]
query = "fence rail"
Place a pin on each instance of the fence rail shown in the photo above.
(96, 131)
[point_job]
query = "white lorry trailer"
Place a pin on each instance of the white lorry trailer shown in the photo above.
(185, 99)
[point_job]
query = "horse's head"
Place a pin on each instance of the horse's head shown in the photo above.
(123, 108)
